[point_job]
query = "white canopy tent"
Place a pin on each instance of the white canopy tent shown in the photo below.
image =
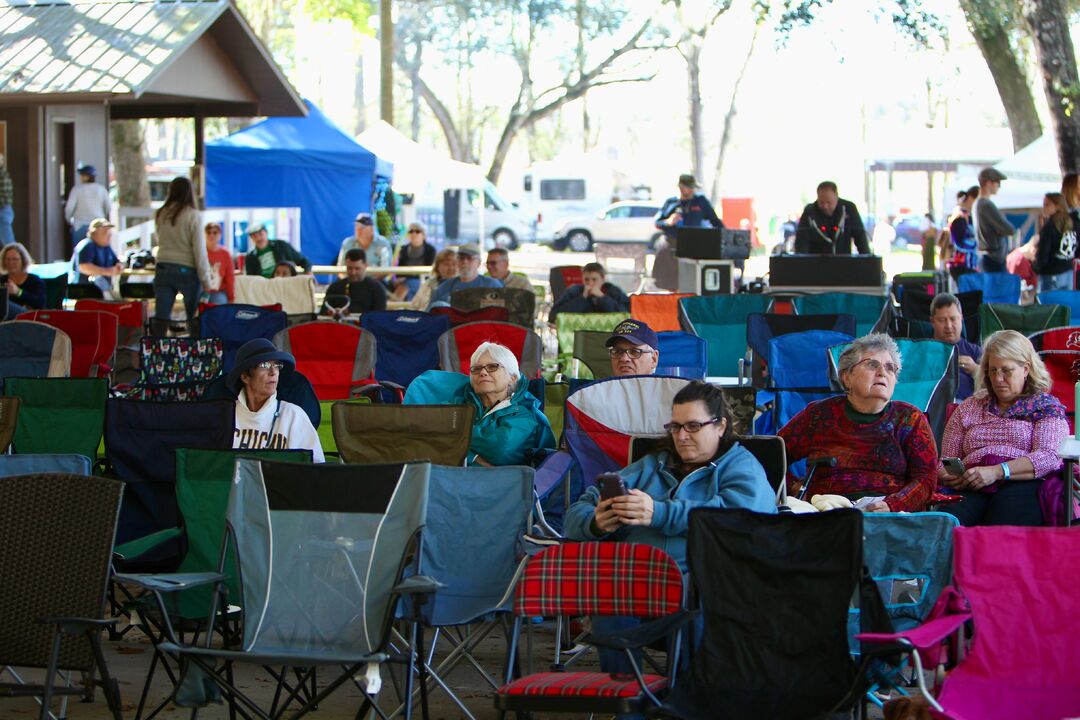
(1031, 172)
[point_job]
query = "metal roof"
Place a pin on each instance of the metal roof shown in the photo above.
(113, 50)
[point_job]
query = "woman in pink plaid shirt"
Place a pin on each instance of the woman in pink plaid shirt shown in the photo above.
(1007, 435)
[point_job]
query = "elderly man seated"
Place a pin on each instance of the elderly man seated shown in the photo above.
(468, 257)
(265, 254)
(948, 322)
(634, 349)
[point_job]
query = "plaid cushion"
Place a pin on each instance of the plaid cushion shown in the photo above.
(582, 684)
(600, 578)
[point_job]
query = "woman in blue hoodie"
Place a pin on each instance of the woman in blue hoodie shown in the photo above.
(509, 422)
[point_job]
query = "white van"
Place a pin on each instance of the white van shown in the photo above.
(555, 190)
(504, 225)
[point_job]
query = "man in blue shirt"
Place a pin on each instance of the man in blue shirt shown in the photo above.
(948, 322)
(687, 209)
(94, 260)
(468, 257)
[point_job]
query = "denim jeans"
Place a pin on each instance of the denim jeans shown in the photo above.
(169, 279)
(988, 264)
(7, 216)
(1061, 281)
(14, 310)
(217, 298)
(1015, 503)
(77, 235)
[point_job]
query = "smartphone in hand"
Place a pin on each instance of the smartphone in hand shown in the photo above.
(611, 485)
(954, 466)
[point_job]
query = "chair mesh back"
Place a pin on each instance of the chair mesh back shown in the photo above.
(56, 536)
(402, 433)
(59, 415)
(236, 323)
(660, 311)
(520, 304)
(721, 320)
(590, 347)
(593, 578)
(569, 323)
(1062, 338)
(457, 345)
(93, 337)
(406, 343)
(9, 415)
(1026, 319)
(320, 549)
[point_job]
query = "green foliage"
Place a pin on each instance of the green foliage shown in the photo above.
(384, 223)
(908, 16)
(357, 12)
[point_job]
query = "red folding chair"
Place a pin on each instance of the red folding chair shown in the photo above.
(336, 357)
(93, 337)
(131, 316)
(460, 317)
(457, 345)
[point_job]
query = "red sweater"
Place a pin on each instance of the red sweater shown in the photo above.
(895, 455)
(221, 260)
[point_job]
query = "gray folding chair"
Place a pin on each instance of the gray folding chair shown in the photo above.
(402, 433)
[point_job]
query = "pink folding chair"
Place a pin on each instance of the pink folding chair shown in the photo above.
(1020, 594)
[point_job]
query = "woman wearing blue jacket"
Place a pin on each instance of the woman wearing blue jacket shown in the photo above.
(509, 422)
(703, 467)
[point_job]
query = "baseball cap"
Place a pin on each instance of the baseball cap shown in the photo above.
(98, 223)
(470, 249)
(364, 219)
(688, 180)
(636, 332)
(87, 170)
(256, 227)
(991, 175)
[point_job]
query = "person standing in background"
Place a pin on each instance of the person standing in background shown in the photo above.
(182, 265)
(687, 209)
(88, 200)
(993, 232)
(1057, 246)
(7, 202)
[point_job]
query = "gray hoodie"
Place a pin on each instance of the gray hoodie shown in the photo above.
(992, 230)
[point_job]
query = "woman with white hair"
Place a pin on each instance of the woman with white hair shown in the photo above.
(1007, 435)
(509, 422)
(884, 448)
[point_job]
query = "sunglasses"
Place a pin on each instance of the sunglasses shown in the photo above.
(270, 365)
(415, 230)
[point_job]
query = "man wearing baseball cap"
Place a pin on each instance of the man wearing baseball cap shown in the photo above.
(367, 238)
(468, 257)
(992, 231)
(94, 260)
(634, 349)
(687, 209)
(86, 201)
(265, 254)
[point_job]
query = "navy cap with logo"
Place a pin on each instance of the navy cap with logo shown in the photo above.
(636, 332)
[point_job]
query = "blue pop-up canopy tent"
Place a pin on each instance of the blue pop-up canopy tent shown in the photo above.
(305, 162)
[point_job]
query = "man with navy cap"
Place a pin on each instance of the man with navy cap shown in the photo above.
(87, 200)
(634, 348)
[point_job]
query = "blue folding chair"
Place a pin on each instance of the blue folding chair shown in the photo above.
(236, 323)
(763, 327)
(721, 321)
(406, 343)
(32, 464)
(682, 355)
(799, 375)
(996, 287)
(872, 312)
(1068, 298)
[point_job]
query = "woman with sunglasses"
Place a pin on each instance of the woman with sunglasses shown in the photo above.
(883, 448)
(509, 423)
(414, 253)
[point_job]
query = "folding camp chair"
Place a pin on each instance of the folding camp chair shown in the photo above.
(997, 287)
(792, 659)
(520, 304)
(131, 316)
(9, 415)
(177, 368)
(58, 533)
(406, 343)
(591, 355)
(336, 358)
(93, 338)
(928, 378)
(36, 464)
(235, 324)
(329, 601)
(570, 323)
(915, 306)
(402, 433)
(55, 291)
(597, 579)
(721, 321)
(203, 481)
(1025, 319)
(141, 439)
(682, 355)
(478, 569)
(930, 282)
(459, 317)
(909, 556)
(660, 311)
(1068, 298)
(59, 415)
(457, 344)
(1060, 338)
(798, 375)
(872, 312)
(84, 291)
(33, 349)
(763, 327)
(1064, 369)
(561, 277)
(137, 290)
(1008, 583)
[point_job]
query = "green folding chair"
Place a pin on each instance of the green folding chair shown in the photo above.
(591, 355)
(569, 323)
(326, 426)
(59, 415)
(9, 415)
(1025, 319)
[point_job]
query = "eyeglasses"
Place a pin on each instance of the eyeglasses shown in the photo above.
(270, 365)
(214, 231)
(1005, 372)
(632, 353)
(691, 427)
(466, 257)
(415, 230)
(490, 368)
(890, 367)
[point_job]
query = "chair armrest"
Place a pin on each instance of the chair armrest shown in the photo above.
(135, 548)
(170, 582)
(78, 621)
(922, 637)
(418, 585)
(643, 634)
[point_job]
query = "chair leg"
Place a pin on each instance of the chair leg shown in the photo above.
(109, 686)
(50, 675)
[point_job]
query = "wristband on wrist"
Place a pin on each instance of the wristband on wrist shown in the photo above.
(1005, 469)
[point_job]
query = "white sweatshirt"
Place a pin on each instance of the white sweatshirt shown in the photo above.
(292, 431)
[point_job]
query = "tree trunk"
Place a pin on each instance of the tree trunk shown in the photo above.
(359, 107)
(1057, 64)
(691, 52)
(129, 160)
(1008, 73)
(729, 116)
(386, 60)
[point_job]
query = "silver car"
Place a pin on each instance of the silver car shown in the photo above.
(627, 221)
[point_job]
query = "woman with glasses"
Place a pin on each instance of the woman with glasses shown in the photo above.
(883, 448)
(509, 423)
(414, 253)
(444, 268)
(1007, 435)
(702, 466)
(219, 290)
(263, 420)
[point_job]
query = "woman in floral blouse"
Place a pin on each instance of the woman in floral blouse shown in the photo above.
(1007, 434)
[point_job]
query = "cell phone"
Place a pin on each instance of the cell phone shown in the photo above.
(611, 485)
(954, 466)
